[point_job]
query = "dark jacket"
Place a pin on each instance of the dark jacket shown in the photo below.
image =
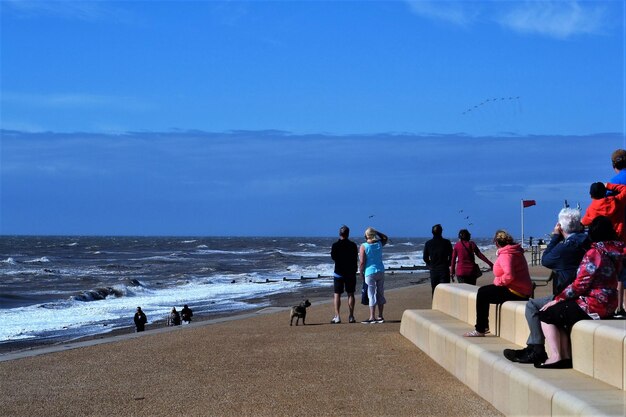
(186, 314)
(140, 320)
(438, 253)
(346, 256)
(563, 257)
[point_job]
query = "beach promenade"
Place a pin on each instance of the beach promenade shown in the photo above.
(252, 366)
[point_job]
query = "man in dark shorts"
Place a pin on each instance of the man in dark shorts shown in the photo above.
(437, 256)
(346, 256)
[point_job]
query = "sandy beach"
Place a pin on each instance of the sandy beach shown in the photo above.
(255, 365)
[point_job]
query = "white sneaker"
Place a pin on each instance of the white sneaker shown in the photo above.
(335, 320)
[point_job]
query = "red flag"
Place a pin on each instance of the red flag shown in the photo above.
(528, 203)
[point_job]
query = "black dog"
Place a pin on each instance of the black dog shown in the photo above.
(299, 312)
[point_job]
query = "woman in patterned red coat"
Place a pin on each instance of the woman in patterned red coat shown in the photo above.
(592, 295)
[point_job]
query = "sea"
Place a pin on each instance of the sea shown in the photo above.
(70, 287)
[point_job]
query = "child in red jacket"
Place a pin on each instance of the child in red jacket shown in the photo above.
(612, 206)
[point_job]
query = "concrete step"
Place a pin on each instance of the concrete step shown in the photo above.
(514, 389)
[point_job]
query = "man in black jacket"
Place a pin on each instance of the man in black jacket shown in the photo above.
(346, 256)
(563, 254)
(140, 320)
(437, 256)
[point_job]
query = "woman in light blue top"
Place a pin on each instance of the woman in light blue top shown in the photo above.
(373, 272)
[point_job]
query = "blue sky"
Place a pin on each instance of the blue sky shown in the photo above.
(291, 118)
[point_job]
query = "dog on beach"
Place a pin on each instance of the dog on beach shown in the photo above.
(299, 312)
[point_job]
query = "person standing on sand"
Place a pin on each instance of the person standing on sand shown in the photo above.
(373, 272)
(346, 256)
(174, 318)
(140, 320)
(437, 256)
(463, 259)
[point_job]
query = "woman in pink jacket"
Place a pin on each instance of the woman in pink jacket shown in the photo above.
(511, 281)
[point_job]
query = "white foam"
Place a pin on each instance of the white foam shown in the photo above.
(306, 254)
(73, 316)
(9, 261)
(43, 259)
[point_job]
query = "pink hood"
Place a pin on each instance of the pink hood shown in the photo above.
(511, 270)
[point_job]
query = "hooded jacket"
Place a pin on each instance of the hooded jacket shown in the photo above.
(563, 257)
(612, 206)
(511, 270)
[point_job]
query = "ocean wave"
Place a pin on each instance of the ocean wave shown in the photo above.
(307, 245)
(98, 294)
(118, 267)
(188, 241)
(305, 254)
(43, 259)
(102, 293)
(173, 257)
(72, 244)
(225, 252)
(9, 261)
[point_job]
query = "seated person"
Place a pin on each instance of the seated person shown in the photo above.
(511, 281)
(592, 295)
(566, 249)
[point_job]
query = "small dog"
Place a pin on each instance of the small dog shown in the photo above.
(299, 312)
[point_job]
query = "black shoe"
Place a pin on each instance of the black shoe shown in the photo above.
(526, 355)
(562, 364)
(514, 354)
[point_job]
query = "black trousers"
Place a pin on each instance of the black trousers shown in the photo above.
(491, 294)
(438, 276)
(466, 279)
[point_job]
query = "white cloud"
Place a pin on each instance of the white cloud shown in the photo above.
(92, 10)
(560, 19)
(455, 12)
(555, 19)
(73, 100)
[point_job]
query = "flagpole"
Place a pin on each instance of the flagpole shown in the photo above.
(522, 208)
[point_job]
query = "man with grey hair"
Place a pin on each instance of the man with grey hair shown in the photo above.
(563, 254)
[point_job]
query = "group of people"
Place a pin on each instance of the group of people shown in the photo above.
(175, 318)
(445, 262)
(369, 258)
(587, 272)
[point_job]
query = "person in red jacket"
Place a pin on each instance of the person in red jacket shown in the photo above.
(612, 206)
(463, 259)
(511, 281)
